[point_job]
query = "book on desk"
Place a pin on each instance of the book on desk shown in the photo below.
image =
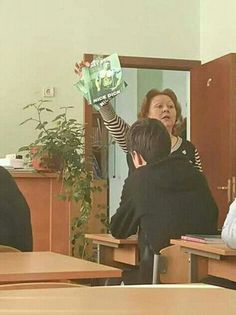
(203, 238)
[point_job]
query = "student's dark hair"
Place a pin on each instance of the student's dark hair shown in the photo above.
(150, 138)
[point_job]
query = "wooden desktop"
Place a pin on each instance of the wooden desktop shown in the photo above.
(125, 300)
(49, 266)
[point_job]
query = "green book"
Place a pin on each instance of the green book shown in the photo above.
(102, 81)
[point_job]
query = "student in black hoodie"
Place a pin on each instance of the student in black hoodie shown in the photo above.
(15, 223)
(164, 198)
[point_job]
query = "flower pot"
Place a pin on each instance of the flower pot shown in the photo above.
(43, 162)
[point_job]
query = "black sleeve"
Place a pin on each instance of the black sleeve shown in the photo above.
(188, 149)
(15, 221)
(125, 221)
(5, 222)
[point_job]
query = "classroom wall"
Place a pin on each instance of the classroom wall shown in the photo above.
(179, 82)
(147, 80)
(217, 28)
(42, 39)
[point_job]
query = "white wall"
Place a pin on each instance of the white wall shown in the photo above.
(218, 28)
(147, 79)
(178, 81)
(42, 39)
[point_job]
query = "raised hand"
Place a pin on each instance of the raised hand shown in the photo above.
(79, 66)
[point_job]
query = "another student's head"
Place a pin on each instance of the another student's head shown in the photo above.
(161, 105)
(148, 141)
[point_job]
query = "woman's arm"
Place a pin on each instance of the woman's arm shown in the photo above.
(117, 127)
(197, 163)
(187, 149)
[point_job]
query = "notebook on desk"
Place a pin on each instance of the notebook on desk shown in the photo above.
(203, 238)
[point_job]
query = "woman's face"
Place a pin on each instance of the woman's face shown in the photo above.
(163, 109)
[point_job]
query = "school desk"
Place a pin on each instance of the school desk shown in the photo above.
(220, 260)
(49, 266)
(115, 252)
(161, 299)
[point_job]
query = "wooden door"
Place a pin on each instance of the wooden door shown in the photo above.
(213, 102)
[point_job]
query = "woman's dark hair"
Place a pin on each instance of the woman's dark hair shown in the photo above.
(154, 92)
(150, 138)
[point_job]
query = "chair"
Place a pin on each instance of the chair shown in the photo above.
(38, 285)
(4, 248)
(170, 266)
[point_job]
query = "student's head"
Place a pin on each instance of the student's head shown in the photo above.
(161, 105)
(148, 141)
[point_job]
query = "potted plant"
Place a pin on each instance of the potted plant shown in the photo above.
(60, 148)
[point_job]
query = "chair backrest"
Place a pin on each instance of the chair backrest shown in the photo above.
(171, 266)
(4, 248)
(38, 285)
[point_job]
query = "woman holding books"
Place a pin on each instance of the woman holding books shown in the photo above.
(161, 105)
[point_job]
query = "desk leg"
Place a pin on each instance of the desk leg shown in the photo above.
(192, 268)
(98, 253)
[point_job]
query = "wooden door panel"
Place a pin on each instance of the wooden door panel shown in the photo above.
(211, 122)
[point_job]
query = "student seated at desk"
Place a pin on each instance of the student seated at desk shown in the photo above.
(228, 233)
(15, 223)
(165, 197)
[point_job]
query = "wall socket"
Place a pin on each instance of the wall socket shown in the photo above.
(49, 92)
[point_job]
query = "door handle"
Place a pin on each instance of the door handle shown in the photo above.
(228, 188)
(233, 187)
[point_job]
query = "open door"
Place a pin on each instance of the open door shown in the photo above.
(213, 103)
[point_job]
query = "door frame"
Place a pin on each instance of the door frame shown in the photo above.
(152, 63)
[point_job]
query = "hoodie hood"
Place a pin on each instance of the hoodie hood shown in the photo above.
(174, 173)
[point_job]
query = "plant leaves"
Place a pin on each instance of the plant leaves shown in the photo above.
(23, 122)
